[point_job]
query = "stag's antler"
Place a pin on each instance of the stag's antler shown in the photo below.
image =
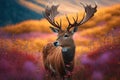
(89, 12)
(50, 13)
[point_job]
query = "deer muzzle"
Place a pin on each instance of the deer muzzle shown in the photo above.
(56, 43)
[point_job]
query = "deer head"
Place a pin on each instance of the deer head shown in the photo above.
(65, 36)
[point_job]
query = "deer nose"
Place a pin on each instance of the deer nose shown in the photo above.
(56, 43)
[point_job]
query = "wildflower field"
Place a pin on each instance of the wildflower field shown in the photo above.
(97, 47)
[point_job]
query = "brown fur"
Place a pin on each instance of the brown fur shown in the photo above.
(53, 56)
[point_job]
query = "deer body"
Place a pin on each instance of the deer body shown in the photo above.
(58, 57)
(59, 60)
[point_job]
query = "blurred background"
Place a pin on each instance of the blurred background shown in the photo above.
(16, 11)
(24, 32)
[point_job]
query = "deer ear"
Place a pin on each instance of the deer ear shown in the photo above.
(74, 30)
(54, 29)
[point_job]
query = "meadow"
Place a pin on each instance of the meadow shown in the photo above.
(97, 47)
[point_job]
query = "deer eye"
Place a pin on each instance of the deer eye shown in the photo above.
(66, 35)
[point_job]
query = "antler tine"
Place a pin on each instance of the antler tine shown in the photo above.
(74, 19)
(68, 20)
(57, 23)
(69, 23)
(50, 14)
(89, 12)
(60, 22)
(77, 17)
(72, 25)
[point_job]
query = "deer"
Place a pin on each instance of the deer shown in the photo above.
(58, 57)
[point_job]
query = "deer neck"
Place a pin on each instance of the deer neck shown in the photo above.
(68, 54)
(69, 48)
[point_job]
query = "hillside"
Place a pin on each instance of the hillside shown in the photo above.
(11, 12)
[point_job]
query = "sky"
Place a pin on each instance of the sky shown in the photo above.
(15, 11)
(66, 6)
